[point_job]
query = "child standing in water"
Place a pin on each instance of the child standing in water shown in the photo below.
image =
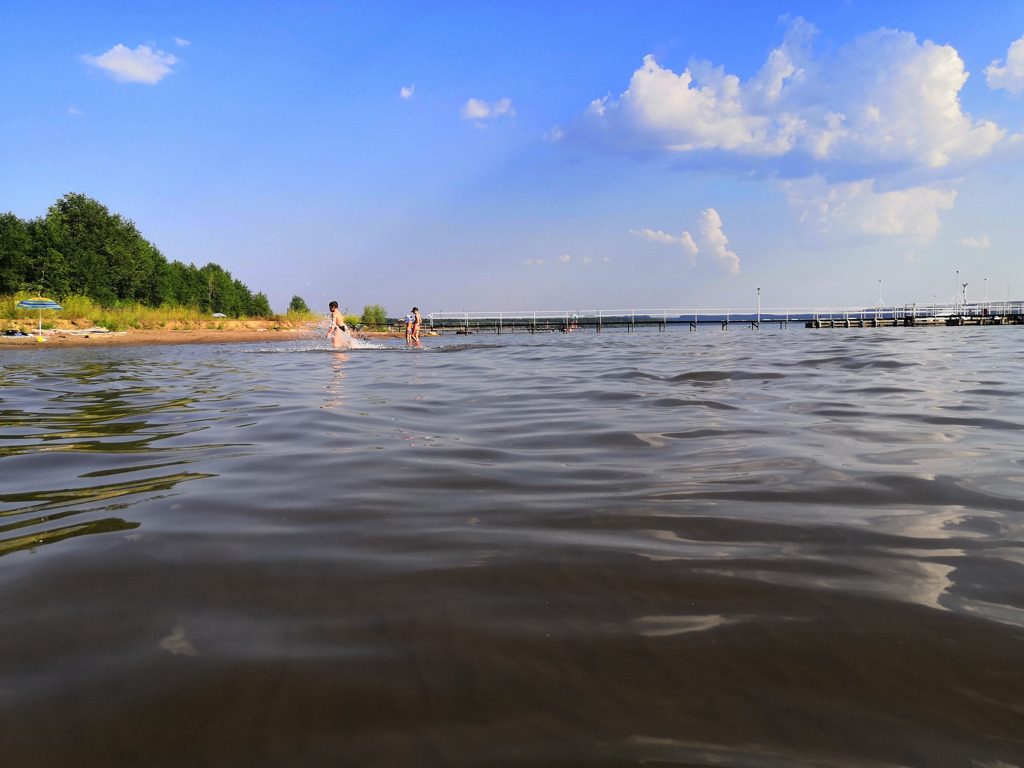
(339, 331)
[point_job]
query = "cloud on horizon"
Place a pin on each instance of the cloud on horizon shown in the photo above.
(143, 65)
(715, 241)
(855, 212)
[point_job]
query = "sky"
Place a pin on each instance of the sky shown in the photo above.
(517, 156)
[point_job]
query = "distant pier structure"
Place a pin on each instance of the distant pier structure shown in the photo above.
(597, 320)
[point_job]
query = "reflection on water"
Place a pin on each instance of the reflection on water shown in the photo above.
(84, 421)
(771, 548)
(335, 388)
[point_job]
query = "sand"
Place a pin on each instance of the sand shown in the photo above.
(244, 331)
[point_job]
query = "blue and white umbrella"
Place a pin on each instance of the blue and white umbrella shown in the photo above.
(40, 303)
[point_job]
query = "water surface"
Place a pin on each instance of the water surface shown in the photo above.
(740, 548)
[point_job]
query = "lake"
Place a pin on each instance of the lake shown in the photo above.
(783, 547)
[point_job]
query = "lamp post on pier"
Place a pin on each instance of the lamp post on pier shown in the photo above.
(758, 309)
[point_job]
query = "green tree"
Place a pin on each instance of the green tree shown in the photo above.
(81, 248)
(375, 316)
(298, 305)
(15, 254)
(260, 306)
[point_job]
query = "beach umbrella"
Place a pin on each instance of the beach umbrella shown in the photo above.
(39, 303)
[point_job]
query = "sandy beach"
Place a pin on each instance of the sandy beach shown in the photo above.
(233, 332)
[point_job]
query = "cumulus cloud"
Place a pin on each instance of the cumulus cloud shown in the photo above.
(688, 245)
(1010, 75)
(476, 109)
(714, 238)
(406, 92)
(854, 212)
(863, 135)
(182, 42)
(974, 242)
(564, 259)
(884, 100)
(143, 65)
(655, 236)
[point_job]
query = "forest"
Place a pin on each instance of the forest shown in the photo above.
(81, 249)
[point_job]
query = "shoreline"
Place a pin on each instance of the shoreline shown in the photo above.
(63, 337)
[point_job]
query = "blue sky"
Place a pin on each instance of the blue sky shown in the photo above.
(536, 155)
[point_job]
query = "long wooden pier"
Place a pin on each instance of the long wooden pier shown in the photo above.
(911, 315)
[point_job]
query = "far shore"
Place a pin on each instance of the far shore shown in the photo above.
(230, 332)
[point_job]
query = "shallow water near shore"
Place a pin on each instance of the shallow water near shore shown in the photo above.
(784, 547)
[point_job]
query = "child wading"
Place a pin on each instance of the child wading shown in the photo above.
(339, 331)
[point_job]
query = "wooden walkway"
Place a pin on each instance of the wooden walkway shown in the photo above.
(992, 313)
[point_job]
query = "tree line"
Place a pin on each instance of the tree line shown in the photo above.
(81, 249)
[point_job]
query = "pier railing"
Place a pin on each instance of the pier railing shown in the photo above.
(629, 319)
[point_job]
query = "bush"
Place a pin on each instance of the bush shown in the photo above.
(375, 316)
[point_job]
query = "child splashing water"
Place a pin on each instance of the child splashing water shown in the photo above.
(338, 334)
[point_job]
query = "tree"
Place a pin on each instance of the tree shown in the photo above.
(81, 248)
(375, 316)
(298, 305)
(15, 254)
(260, 306)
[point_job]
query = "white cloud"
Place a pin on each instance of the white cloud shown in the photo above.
(716, 241)
(872, 137)
(688, 245)
(475, 109)
(503, 107)
(655, 236)
(855, 212)
(182, 42)
(974, 242)
(1010, 76)
(73, 111)
(406, 93)
(587, 259)
(143, 65)
(564, 259)
(882, 100)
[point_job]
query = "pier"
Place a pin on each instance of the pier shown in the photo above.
(629, 320)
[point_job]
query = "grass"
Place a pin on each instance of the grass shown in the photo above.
(82, 312)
